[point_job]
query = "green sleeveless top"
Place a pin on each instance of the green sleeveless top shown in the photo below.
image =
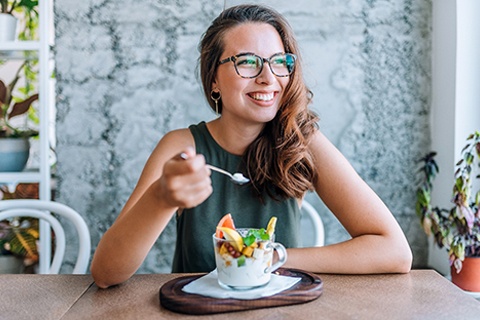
(195, 226)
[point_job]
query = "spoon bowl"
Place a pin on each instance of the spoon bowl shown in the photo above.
(237, 178)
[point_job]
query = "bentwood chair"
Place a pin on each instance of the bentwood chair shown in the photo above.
(312, 225)
(42, 210)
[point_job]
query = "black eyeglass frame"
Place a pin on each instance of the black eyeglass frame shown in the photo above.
(263, 60)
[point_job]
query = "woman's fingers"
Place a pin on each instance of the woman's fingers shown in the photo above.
(194, 194)
(186, 180)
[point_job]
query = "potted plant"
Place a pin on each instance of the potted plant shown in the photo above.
(8, 22)
(18, 244)
(14, 142)
(19, 236)
(456, 228)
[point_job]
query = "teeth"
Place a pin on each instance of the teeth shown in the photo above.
(262, 96)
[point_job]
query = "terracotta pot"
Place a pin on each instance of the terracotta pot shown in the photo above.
(469, 277)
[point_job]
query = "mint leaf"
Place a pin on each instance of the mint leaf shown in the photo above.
(258, 234)
(264, 236)
(248, 240)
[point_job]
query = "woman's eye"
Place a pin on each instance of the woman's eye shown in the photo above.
(247, 62)
(278, 62)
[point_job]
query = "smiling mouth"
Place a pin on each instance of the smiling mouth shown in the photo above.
(262, 96)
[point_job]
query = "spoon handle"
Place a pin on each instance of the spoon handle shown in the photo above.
(219, 170)
(185, 157)
(237, 178)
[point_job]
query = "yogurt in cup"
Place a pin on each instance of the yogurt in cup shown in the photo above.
(249, 266)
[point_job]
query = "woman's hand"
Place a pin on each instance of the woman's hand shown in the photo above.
(185, 182)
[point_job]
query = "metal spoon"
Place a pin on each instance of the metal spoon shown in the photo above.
(237, 178)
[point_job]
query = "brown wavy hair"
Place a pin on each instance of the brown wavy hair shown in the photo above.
(278, 161)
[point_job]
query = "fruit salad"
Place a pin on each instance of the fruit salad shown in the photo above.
(242, 255)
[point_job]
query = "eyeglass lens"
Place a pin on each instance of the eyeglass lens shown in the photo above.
(250, 65)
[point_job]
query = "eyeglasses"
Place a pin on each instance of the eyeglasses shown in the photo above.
(250, 65)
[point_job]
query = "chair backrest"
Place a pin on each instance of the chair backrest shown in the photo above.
(41, 210)
(313, 232)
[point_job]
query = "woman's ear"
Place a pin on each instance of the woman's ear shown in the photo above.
(214, 84)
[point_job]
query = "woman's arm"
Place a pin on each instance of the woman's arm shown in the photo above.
(378, 244)
(166, 184)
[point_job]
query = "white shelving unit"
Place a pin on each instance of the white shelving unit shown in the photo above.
(42, 175)
(20, 46)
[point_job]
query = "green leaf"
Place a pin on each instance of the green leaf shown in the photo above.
(459, 183)
(249, 240)
(259, 234)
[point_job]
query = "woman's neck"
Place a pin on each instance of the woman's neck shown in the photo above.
(233, 137)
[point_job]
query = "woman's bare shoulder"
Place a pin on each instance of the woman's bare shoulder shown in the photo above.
(174, 142)
(183, 134)
(320, 143)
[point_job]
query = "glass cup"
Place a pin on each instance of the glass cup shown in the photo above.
(249, 269)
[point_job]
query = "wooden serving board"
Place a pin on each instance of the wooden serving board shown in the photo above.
(173, 298)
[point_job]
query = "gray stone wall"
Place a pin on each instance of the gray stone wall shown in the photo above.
(126, 74)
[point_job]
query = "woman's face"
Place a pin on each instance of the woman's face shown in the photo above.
(253, 100)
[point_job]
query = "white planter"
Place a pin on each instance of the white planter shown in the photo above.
(14, 153)
(8, 27)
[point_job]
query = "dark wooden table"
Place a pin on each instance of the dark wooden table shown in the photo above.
(421, 294)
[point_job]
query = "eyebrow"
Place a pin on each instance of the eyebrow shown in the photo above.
(243, 53)
(228, 59)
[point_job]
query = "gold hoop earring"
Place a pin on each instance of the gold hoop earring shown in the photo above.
(215, 96)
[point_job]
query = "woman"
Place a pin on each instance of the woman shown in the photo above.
(252, 77)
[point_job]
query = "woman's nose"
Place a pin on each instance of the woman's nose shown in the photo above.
(266, 76)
